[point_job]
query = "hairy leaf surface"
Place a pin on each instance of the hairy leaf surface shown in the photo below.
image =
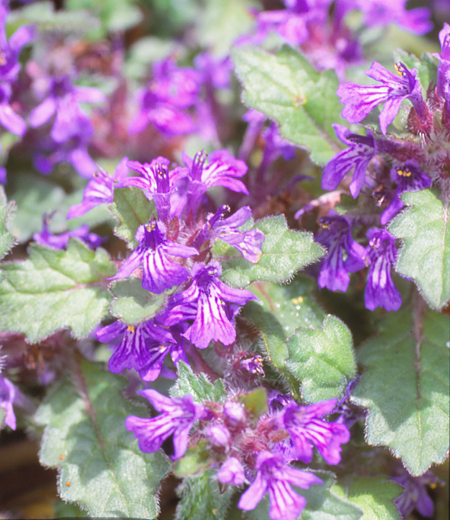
(406, 388)
(284, 252)
(101, 466)
(286, 88)
(55, 289)
(425, 255)
(198, 386)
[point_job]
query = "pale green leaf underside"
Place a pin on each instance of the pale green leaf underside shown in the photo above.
(201, 498)
(322, 503)
(425, 254)
(284, 252)
(374, 496)
(101, 466)
(132, 303)
(408, 396)
(322, 360)
(286, 88)
(131, 208)
(55, 289)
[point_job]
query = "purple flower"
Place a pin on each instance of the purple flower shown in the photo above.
(7, 396)
(143, 347)
(177, 418)
(275, 477)
(159, 184)
(307, 429)
(74, 151)
(443, 75)
(359, 100)
(8, 118)
(337, 238)
(210, 303)
(415, 495)
(408, 178)
(99, 190)
(10, 50)
(222, 170)
(218, 435)
(231, 472)
(63, 101)
(45, 238)
(380, 289)
(171, 91)
(248, 243)
(384, 12)
(362, 150)
(153, 251)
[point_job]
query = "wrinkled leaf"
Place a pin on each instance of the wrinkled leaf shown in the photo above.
(101, 466)
(286, 88)
(197, 386)
(131, 208)
(201, 498)
(55, 289)
(406, 388)
(284, 252)
(425, 255)
(322, 359)
(132, 303)
(6, 213)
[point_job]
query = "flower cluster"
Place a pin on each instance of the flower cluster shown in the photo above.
(245, 447)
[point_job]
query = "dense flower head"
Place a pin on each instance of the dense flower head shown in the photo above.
(154, 252)
(307, 429)
(177, 418)
(361, 151)
(210, 303)
(275, 477)
(360, 100)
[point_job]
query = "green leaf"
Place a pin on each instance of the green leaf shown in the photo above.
(132, 303)
(131, 208)
(197, 386)
(291, 304)
(425, 255)
(55, 289)
(406, 388)
(68, 510)
(201, 498)
(321, 503)
(195, 459)
(284, 252)
(374, 496)
(274, 341)
(322, 359)
(6, 213)
(287, 88)
(101, 466)
(255, 402)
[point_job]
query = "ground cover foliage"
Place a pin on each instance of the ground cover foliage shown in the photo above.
(225, 256)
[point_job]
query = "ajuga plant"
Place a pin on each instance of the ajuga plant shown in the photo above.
(226, 284)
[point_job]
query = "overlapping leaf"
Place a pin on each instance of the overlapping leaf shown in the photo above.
(197, 386)
(287, 88)
(425, 255)
(406, 388)
(101, 466)
(55, 289)
(284, 252)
